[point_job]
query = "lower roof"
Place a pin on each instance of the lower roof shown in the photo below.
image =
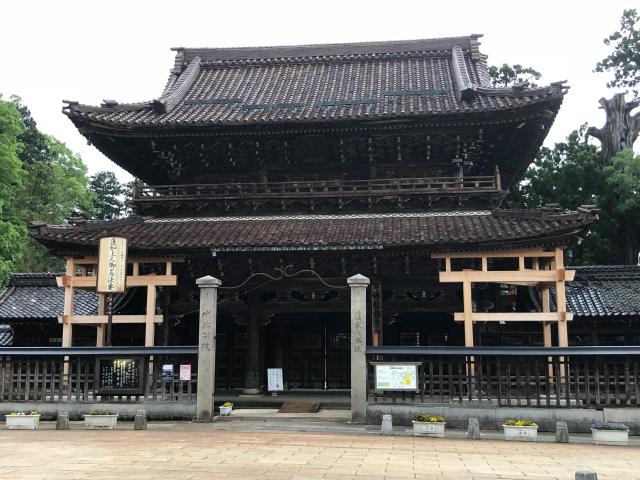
(36, 295)
(605, 291)
(436, 230)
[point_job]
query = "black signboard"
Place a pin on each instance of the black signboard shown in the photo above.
(120, 376)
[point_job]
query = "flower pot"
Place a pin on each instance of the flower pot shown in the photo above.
(224, 411)
(520, 433)
(428, 429)
(613, 437)
(100, 422)
(23, 422)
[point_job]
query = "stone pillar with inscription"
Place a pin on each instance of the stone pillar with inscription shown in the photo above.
(358, 284)
(207, 347)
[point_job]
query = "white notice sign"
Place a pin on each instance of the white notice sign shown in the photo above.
(185, 372)
(112, 264)
(274, 380)
(397, 376)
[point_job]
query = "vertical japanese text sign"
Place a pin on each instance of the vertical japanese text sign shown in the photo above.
(112, 265)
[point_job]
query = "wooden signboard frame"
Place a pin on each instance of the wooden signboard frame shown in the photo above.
(121, 391)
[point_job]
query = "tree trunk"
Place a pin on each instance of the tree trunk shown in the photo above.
(620, 130)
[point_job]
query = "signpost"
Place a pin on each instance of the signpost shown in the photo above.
(112, 273)
(396, 377)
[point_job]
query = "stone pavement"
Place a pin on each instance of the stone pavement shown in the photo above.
(181, 453)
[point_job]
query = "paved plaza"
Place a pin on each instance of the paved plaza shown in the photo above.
(204, 453)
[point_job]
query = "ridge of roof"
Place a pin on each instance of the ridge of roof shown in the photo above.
(469, 42)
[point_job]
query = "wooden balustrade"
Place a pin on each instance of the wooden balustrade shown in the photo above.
(75, 378)
(550, 379)
(293, 189)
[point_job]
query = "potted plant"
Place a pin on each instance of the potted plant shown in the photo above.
(23, 420)
(426, 425)
(101, 419)
(225, 409)
(522, 429)
(614, 433)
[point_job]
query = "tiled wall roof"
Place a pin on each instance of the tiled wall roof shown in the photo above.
(436, 229)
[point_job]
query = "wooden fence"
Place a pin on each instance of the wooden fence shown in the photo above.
(97, 374)
(582, 377)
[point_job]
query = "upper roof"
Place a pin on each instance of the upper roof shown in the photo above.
(320, 83)
(437, 230)
(36, 295)
(605, 290)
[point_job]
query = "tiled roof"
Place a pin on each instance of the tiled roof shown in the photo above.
(36, 296)
(321, 83)
(436, 229)
(605, 290)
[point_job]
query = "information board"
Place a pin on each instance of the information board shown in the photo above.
(120, 376)
(274, 380)
(396, 376)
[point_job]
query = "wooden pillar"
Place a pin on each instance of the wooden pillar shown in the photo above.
(100, 326)
(149, 338)
(468, 320)
(468, 313)
(252, 356)
(561, 304)
(546, 328)
(561, 299)
(67, 326)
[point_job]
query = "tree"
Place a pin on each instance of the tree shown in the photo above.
(624, 61)
(54, 187)
(571, 174)
(108, 191)
(621, 128)
(12, 233)
(507, 75)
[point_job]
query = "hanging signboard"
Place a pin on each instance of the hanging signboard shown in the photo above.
(274, 380)
(120, 376)
(396, 376)
(185, 373)
(112, 265)
(167, 373)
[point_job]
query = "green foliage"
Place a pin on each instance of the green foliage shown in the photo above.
(100, 411)
(107, 191)
(507, 75)
(55, 187)
(12, 233)
(571, 174)
(624, 61)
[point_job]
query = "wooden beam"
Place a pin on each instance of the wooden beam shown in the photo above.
(132, 281)
(102, 319)
(530, 252)
(527, 276)
(515, 316)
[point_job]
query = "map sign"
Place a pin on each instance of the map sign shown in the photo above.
(397, 376)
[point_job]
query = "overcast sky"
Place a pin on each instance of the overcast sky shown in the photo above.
(90, 51)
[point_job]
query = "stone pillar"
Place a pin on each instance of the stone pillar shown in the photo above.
(207, 347)
(252, 358)
(358, 284)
